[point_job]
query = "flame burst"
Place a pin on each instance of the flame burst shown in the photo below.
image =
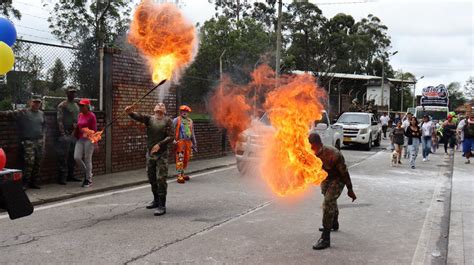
(165, 37)
(229, 109)
(289, 164)
(94, 137)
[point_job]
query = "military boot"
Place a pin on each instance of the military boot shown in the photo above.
(154, 203)
(161, 210)
(325, 240)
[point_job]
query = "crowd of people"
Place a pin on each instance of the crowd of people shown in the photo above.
(407, 134)
(74, 148)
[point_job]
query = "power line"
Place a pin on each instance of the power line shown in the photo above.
(30, 5)
(35, 36)
(45, 18)
(26, 27)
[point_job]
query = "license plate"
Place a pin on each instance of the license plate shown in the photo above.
(347, 139)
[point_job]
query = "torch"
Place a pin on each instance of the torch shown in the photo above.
(97, 136)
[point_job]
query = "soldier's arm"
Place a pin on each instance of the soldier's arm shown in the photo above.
(343, 172)
(60, 118)
(140, 117)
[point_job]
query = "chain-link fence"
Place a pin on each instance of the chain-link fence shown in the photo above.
(46, 69)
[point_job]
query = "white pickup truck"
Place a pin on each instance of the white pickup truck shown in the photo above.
(360, 128)
(251, 140)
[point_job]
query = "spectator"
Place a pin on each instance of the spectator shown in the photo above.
(84, 147)
(427, 129)
(413, 133)
(467, 126)
(32, 128)
(449, 133)
(384, 120)
(405, 125)
(398, 139)
(67, 114)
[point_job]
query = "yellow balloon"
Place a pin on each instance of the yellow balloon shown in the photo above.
(7, 58)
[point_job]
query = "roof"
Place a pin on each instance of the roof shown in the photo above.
(358, 77)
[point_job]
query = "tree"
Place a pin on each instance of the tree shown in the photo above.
(396, 95)
(469, 87)
(85, 68)
(75, 21)
(244, 42)
(456, 96)
(7, 9)
(57, 76)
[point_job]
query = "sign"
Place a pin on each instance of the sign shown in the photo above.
(434, 96)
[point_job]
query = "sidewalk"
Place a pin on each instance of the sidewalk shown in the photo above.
(461, 228)
(54, 192)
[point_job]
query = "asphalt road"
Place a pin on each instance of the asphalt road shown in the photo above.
(220, 217)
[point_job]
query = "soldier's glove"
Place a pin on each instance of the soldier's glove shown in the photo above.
(352, 195)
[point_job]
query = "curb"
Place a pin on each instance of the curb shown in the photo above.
(116, 187)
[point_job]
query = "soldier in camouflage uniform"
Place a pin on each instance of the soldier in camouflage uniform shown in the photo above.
(31, 125)
(354, 107)
(331, 187)
(67, 114)
(159, 130)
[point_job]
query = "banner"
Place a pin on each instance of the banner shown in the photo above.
(435, 96)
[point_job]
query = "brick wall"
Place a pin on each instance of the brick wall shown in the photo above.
(10, 142)
(130, 79)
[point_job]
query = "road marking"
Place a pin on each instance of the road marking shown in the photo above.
(86, 198)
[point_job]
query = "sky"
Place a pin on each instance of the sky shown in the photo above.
(434, 38)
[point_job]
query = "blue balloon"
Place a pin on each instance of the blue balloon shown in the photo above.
(7, 31)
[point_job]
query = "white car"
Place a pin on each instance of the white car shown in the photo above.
(251, 141)
(360, 128)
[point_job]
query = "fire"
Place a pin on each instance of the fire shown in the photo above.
(230, 109)
(162, 34)
(91, 135)
(288, 164)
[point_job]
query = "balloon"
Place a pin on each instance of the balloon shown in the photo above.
(3, 159)
(7, 31)
(7, 59)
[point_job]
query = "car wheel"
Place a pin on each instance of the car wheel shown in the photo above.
(379, 139)
(368, 145)
(338, 145)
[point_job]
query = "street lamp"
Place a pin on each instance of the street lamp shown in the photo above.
(414, 90)
(382, 83)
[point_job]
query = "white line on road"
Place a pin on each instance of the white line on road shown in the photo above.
(54, 205)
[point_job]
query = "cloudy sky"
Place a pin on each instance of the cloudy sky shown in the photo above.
(434, 38)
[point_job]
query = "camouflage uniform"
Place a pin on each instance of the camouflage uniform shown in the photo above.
(67, 118)
(333, 185)
(31, 126)
(158, 132)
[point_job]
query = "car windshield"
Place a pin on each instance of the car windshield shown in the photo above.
(354, 119)
(437, 115)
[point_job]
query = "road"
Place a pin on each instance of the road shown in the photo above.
(220, 217)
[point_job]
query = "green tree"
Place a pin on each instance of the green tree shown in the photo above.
(456, 96)
(396, 92)
(75, 21)
(7, 9)
(84, 69)
(469, 87)
(244, 42)
(57, 76)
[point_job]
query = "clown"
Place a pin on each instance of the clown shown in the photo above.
(185, 141)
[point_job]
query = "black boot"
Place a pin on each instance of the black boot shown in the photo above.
(161, 210)
(325, 240)
(155, 203)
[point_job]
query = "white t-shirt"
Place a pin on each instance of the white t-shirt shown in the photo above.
(384, 120)
(427, 128)
(405, 124)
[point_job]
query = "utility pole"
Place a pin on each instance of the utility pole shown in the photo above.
(401, 90)
(278, 44)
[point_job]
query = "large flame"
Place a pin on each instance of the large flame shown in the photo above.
(165, 37)
(288, 164)
(230, 109)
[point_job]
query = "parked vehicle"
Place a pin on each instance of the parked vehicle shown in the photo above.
(251, 141)
(360, 128)
(437, 113)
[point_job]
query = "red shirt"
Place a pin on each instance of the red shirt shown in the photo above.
(86, 121)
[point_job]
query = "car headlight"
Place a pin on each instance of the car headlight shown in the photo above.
(363, 131)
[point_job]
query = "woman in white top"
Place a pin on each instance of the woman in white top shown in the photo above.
(427, 132)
